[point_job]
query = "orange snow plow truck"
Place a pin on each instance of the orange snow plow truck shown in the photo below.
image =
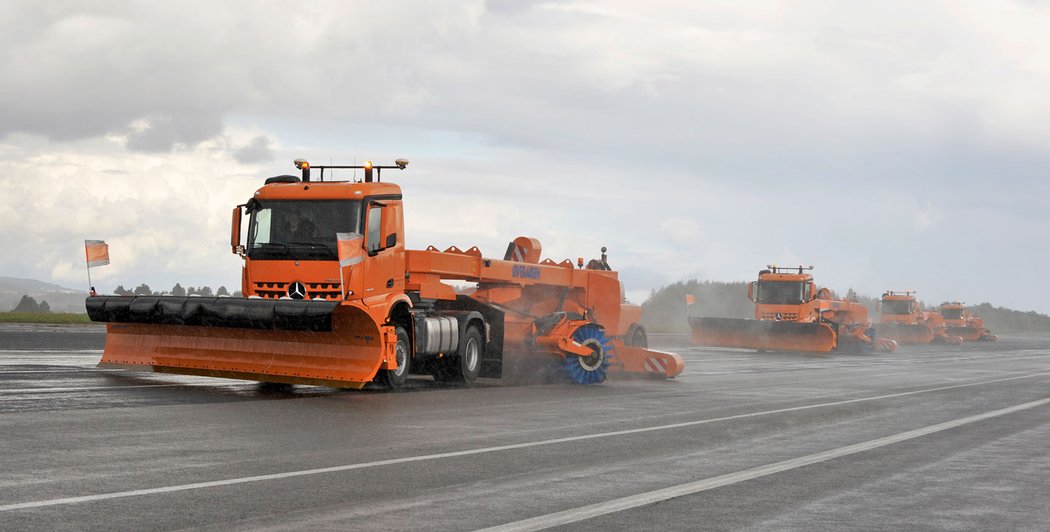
(333, 298)
(960, 322)
(792, 314)
(901, 319)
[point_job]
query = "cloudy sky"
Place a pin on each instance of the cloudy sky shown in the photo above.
(892, 144)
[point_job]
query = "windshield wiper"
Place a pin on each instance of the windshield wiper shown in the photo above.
(263, 245)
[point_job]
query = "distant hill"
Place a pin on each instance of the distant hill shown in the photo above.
(59, 298)
(15, 284)
(666, 311)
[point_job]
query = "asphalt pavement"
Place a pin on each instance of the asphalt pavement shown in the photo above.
(927, 438)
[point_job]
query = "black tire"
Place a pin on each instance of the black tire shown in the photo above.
(465, 365)
(471, 351)
(638, 339)
(396, 378)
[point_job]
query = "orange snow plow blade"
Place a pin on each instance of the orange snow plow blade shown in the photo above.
(763, 335)
(630, 361)
(905, 334)
(341, 346)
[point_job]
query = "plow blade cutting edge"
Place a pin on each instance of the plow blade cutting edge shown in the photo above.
(905, 334)
(294, 342)
(763, 335)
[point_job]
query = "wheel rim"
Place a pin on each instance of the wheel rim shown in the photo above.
(471, 356)
(401, 356)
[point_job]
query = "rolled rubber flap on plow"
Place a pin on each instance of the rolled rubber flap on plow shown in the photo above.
(348, 354)
(240, 313)
(763, 335)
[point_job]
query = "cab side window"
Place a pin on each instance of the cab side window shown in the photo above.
(373, 242)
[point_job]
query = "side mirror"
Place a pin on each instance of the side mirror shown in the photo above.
(391, 240)
(751, 291)
(235, 232)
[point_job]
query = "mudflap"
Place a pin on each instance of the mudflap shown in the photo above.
(762, 335)
(631, 361)
(345, 352)
(905, 334)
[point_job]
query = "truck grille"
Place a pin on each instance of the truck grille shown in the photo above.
(780, 316)
(277, 290)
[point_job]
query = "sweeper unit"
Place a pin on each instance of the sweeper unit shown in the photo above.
(334, 298)
(792, 314)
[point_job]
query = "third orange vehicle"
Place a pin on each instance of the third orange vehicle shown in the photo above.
(960, 322)
(792, 314)
(902, 319)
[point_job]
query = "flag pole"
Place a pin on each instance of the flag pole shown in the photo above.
(87, 264)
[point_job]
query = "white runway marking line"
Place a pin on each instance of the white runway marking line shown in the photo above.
(582, 513)
(483, 450)
(110, 388)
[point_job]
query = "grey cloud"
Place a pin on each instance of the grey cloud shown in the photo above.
(256, 151)
(834, 113)
(163, 132)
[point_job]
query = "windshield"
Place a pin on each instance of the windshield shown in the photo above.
(300, 229)
(781, 292)
(952, 313)
(896, 306)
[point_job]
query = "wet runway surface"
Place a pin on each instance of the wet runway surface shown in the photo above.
(930, 437)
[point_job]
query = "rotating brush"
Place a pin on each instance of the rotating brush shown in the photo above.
(575, 366)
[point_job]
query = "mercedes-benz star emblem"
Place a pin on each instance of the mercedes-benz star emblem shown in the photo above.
(296, 290)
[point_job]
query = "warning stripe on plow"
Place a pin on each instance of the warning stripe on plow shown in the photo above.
(655, 365)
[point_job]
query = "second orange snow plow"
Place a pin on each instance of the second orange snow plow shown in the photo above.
(902, 319)
(792, 314)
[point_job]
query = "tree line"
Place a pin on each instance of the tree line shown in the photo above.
(29, 305)
(177, 290)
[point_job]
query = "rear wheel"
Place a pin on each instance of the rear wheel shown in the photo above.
(396, 378)
(465, 365)
(638, 339)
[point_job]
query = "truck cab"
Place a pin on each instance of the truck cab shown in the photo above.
(899, 308)
(291, 248)
(782, 294)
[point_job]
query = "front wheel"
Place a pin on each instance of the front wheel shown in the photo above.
(396, 378)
